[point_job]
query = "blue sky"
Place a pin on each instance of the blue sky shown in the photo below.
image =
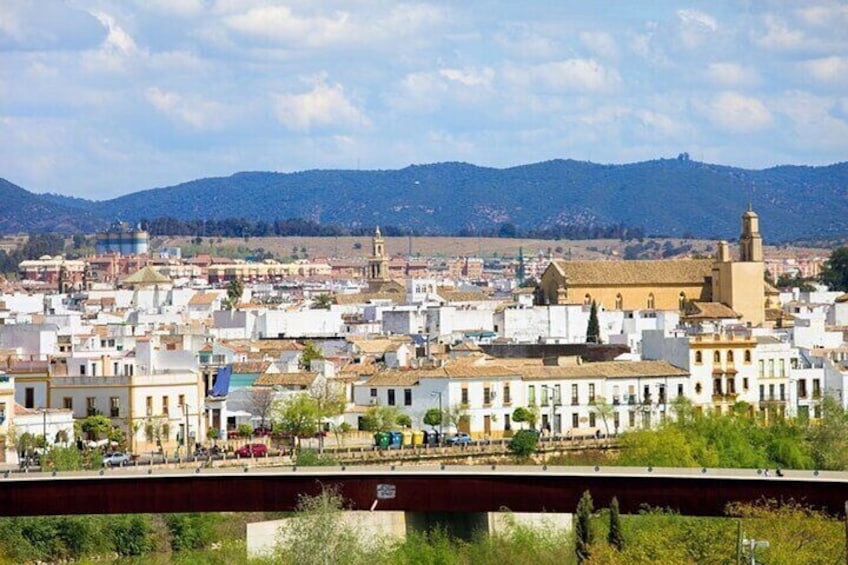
(99, 98)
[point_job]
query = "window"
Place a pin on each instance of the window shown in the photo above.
(717, 357)
(181, 400)
(94, 369)
(587, 300)
(699, 357)
(591, 419)
(557, 395)
(464, 397)
(91, 406)
(149, 405)
(115, 368)
(507, 422)
(771, 368)
(698, 388)
(487, 395)
(771, 392)
(575, 421)
(531, 395)
(616, 420)
(651, 301)
(717, 387)
(816, 388)
(619, 302)
(680, 389)
(762, 393)
(29, 397)
(731, 386)
(730, 357)
(681, 301)
(782, 368)
(407, 397)
(165, 405)
(745, 384)
(391, 400)
(68, 403)
(373, 393)
(661, 394)
(762, 368)
(574, 399)
(506, 397)
(114, 407)
(82, 369)
(631, 419)
(545, 392)
(802, 388)
(591, 393)
(747, 355)
(783, 392)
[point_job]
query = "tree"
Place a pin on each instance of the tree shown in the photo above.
(615, 536)
(829, 438)
(583, 537)
(835, 271)
(309, 354)
(522, 415)
(260, 401)
(593, 330)
(235, 289)
(322, 302)
(605, 410)
(433, 417)
(299, 415)
(96, 426)
(380, 418)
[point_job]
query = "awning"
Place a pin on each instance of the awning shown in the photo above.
(222, 382)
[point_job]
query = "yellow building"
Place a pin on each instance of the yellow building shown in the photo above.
(667, 285)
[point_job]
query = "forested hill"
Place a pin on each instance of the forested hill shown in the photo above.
(664, 197)
(23, 211)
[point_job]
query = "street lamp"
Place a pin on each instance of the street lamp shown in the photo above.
(441, 414)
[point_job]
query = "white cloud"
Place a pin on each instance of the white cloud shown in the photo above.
(116, 39)
(832, 69)
(279, 24)
(698, 19)
(571, 75)
(470, 77)
(737, 113)
(194, 112)
(728, 74)
(600, 43)
(324, 105)
(825, 15)
(778, 35)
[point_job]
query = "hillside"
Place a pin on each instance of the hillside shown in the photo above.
(23, 211)
(668, 196)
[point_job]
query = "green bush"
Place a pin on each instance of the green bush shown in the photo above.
(191, 531)
(523, 444)
(311, 458)
(130, 535)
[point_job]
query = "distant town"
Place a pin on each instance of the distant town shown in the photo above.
(176, 352)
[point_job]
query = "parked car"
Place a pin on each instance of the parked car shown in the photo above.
(460, 438)
(252, 450)
(116, 459)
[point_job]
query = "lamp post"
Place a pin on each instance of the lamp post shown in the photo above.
(441, 414)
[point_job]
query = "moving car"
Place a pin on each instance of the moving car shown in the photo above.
(252, 450)
(460, 438)
(116, 459)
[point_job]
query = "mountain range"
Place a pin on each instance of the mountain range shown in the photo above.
(664, 197)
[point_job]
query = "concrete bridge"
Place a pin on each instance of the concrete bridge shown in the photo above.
(437, 489)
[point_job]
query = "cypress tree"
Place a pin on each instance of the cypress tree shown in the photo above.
(615, 537)
(583, 528)
(593, 331)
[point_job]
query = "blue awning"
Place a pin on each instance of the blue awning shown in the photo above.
(222, 382)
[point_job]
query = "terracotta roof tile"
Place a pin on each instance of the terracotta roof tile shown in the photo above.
(607, 273)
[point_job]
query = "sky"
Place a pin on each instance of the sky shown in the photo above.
(100, 98)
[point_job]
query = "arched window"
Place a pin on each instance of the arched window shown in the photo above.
(747, 355)
(717, 357)
(587, 300)
(699, 357)
(681, 301)
(730, 356)
(651, 301)
(619, 302)
(698, 388)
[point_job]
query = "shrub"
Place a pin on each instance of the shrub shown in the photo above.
(523, 444)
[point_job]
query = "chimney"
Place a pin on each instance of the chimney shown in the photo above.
(723, 255)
